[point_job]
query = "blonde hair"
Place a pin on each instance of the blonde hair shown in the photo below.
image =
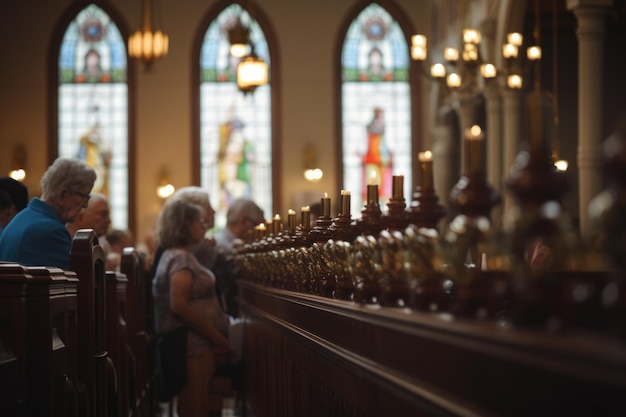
(174, 221)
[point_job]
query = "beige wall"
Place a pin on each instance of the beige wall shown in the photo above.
(306, 31)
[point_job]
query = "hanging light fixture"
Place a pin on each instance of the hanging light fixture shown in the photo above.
(239, 38)
(148, 44)
(251, 73)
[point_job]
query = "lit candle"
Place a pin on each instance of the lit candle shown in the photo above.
(305, 213)
(426, 163)
(451, 54)
(509, 50)
(438, 71)
(397, 189)
(326, 205)
(259, 231)
(515, 38)
(372, 189)
(345, 202)
(276, 225)
(291, 220)
(474, 141)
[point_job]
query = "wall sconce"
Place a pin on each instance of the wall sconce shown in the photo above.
(309, 161)
(18, 164)
(165, 188)
(148, 44)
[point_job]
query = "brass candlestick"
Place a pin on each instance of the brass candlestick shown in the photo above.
(425, 210)
(396, 217)
(371, 222)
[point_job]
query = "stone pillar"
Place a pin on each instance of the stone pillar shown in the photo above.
(494, 146)
(591, 16)
(511, 133)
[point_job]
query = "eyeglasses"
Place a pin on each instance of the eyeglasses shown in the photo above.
(85, 197)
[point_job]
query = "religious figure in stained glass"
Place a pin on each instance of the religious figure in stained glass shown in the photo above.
(94, 150)
(235, 157)
(378, 161)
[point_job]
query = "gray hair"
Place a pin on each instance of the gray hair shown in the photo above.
(243, 207)
(69, 173)
(174, 221)
(192, 194)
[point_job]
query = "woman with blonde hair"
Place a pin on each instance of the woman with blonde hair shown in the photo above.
(185, 296)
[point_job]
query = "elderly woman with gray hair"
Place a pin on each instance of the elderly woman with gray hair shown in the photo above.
(37, 235)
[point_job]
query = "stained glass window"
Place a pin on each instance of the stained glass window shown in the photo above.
(376, 106)
(93, 104)
(235, 129)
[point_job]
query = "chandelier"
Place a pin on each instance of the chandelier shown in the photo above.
(148, 44)
(464, 68)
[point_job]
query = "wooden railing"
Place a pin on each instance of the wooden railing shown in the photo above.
(307, 355)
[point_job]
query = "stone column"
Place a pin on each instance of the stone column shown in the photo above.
(511, 133)
(591, 16)
(494, 146)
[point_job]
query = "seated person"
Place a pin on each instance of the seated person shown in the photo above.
(13, 198)
(118, 240)
(37, 235)
(96, 216)
(242, 216)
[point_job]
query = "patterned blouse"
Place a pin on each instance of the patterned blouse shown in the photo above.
(203, 298)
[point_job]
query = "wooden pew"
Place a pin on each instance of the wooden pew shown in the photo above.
(87, 260)
(38, 341)
(71, 342)
(117, 342)
(142, 392)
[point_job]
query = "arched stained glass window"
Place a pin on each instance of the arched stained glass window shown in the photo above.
(235, 129)
(376, 106)
(93, 104)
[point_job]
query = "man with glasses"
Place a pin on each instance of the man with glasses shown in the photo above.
(37, 235)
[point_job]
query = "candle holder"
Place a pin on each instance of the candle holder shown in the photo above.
(319, 232)
(396, 217)
(371, 221)
(425, 210)
(301, 234)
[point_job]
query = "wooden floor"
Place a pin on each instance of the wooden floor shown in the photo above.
(231, 409)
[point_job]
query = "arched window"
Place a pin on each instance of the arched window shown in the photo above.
(93, 104)
(235, 129)
(376, 106)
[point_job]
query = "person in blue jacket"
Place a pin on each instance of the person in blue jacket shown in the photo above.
(37, 235)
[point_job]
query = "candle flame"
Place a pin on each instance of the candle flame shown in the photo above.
(345, 192)
(475, 131)
(425, 156)
(305, 208)
(291, 212)
(277, 217)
